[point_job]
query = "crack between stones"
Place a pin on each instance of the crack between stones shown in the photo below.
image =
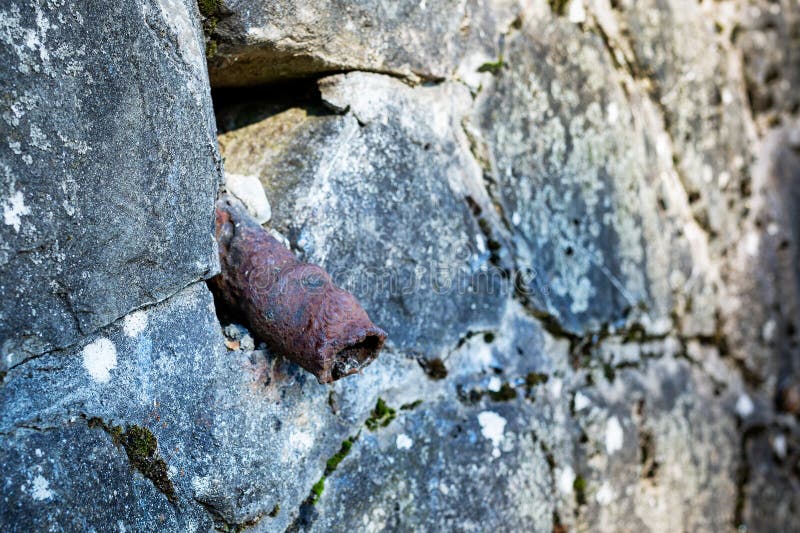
(651, 90)
(96, 330)
(221, 524)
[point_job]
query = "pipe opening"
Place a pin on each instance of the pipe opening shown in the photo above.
(356, 356)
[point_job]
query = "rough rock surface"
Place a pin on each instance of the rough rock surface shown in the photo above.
(260, 42)
(577, 221)
(108, 166)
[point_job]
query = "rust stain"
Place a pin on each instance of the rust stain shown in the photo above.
(292, 306)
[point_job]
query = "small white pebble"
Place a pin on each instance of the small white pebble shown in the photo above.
(494, 384)
(249, 190)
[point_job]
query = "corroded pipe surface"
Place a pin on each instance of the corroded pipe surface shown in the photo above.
(293, 306)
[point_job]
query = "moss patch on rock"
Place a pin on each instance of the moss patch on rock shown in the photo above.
(141, 447)
(381, 416)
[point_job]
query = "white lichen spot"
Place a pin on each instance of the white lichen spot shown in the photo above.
(576, 13)
(566, 480)
(612, 111)
(301, 441)
(581, 401)
(14, 209)
(492, 428)
(41, 489)
(614, 435)
(404, 442)
(38, 452)
(727, 96)
(99, 358)
(135, 323)
(768, 330)
(779, 446)
(201, 484)
(494, 384)
(581, 294)
(605, 495)
(176, 15)
(750, 243)
(555, 387)
(39, 139)
(744, 406)
(723, 179)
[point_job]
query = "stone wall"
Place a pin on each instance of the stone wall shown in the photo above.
(576, 220)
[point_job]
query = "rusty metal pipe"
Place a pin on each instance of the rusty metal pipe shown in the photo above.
(293, 306)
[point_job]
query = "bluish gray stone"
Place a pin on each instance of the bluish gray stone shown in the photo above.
(108, 165)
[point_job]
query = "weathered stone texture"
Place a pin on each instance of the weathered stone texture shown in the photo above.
(108, 163)
(380, 197)
(260, 42)
(577, 221)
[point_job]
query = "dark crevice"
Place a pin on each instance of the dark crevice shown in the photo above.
(743, 475)
(141, 447)
(257, 103)
(226, 526)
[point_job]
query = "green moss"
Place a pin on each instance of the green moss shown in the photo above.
(505, 394)
(435, 368)
(337, 458)
(559, 7)
(535, 378)
(210, 11)
(410, 406)
(317, 490)
(209, 8)
(608, 372)
(492, 66)
(579, 486)
(141, 447)
(381, 416)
